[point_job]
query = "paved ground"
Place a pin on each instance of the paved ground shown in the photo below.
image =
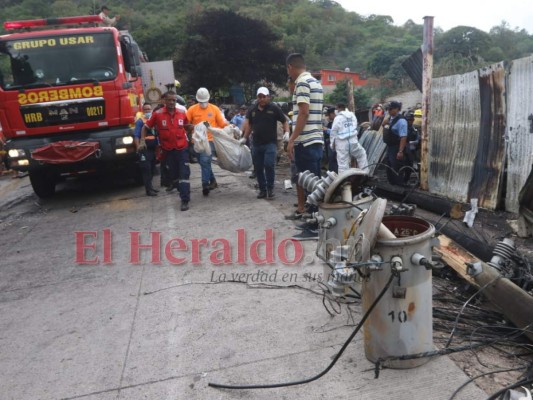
(150, 330)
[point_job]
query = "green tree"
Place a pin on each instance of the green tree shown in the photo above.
(514, 43)
(363, 95)
(328, 36)
(382, 59)
(464, 41)
(397, 76)
(495, 54)
(339, 94)
(66, 8)
(224, 48)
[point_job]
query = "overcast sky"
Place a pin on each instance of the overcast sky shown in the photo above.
(450, 13)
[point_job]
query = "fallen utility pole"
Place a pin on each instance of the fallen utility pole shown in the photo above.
(514, 303)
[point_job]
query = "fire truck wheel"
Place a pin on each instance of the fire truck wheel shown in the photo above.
(43, 183)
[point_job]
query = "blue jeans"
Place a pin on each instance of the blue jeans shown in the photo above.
(205, 164)
(178, 163)
(264, 156)
(309, 158)
(393, 172)
(331, 156)
(147, 168)
(332, 160)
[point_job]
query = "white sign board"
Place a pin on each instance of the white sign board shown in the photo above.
(156, 76)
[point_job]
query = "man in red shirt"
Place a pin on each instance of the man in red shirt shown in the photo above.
(169, 123)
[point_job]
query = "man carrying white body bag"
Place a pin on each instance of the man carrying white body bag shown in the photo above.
(231, 155)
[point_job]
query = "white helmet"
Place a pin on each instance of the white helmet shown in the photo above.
(202, 95)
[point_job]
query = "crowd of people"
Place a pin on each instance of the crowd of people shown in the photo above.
(311, 138)
(306, 133)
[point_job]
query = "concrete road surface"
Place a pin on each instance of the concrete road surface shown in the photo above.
(88, 310)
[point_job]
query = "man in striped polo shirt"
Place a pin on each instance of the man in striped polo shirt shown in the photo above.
(306, 143)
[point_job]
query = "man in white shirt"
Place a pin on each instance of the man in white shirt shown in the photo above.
(106, 20)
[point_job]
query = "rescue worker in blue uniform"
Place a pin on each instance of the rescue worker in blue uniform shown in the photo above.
(395, 137)
(147, 156)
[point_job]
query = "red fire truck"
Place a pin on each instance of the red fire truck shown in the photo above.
(69, 92)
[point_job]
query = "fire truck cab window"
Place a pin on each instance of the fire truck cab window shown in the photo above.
(57, 60)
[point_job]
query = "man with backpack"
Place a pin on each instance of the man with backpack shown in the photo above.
(395, 137)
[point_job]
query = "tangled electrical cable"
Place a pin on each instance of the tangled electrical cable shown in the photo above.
(501, 392)
(400, 174)
(466, 317)
(333, 362)
(480, 327)
(464, 306)
(471, 323)
(480, 376)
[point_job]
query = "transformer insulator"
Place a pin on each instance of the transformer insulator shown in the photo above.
(505, 248)
(316, 186)
(329, 178)
(313, 199)
(308, 180)
(503, 252)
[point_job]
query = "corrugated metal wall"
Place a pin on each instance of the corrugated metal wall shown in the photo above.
(453, 134)
(519, 129)
(480, 135)
(372, 141)
(466, 136)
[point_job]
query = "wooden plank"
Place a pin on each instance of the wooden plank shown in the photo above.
(456, 257)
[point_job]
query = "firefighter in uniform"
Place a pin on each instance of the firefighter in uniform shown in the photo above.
(170, 122)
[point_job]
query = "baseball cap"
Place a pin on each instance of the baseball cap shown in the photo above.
(243, 107)
(105, 8)
(263, 90)
(395, 104)
(330, 110)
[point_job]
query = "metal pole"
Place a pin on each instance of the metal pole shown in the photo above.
(427, 75)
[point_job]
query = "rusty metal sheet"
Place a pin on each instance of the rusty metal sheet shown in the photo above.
(485, 184)
(519, 132)
(467, 147)
(453, 134)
